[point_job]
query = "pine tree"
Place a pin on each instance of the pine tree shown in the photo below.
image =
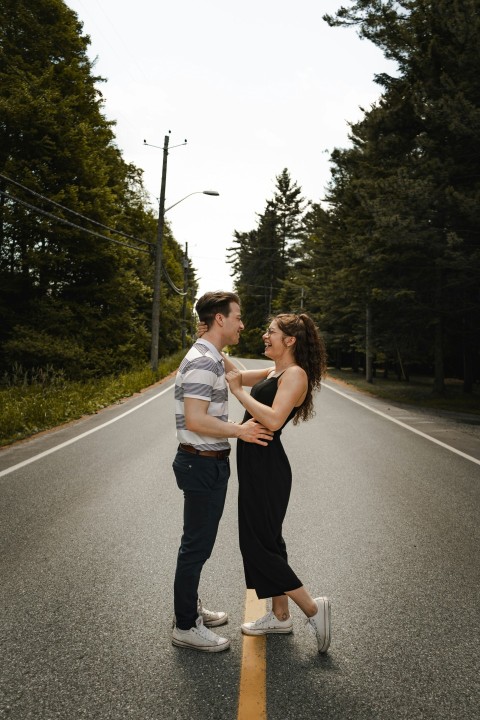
(414, 170)
(262, 259)
(289, 207)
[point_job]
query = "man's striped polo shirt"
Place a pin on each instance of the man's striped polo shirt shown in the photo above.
(201, 375)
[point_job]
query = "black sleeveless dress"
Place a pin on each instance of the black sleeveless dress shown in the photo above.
(265, 481)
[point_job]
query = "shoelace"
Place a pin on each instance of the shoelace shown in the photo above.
(263, 619)
(205, 632)
(310, 626)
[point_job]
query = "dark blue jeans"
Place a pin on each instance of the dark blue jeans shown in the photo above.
(204, 483)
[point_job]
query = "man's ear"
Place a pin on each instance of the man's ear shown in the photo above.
(219, 319)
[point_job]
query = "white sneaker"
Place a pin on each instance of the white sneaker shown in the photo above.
(211, 618)
(267, 624)
(320, 624)
(199, 638)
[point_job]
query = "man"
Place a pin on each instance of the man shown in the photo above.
(201, 465)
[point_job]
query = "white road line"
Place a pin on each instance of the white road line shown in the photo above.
(41, 455)
(242, 366)
(407, 427)
(34, 458)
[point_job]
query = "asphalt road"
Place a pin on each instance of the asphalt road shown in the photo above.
(381, 519)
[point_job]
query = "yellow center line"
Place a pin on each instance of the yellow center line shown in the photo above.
(252, 704)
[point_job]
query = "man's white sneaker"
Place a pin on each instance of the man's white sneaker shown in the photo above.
(320, 624)
(211, 618)
(199, 638)
(267, 624)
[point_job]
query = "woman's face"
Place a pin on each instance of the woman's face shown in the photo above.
(273, 339)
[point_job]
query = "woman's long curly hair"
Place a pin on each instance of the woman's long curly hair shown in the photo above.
(309, 353)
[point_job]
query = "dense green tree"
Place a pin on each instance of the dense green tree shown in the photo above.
(67, 297)
(289, 207)
(413, 172)
(262, 259)
(256, 263)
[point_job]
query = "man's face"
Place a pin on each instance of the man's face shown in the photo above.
(232, 325)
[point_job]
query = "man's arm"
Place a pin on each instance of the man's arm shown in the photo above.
(198, 420)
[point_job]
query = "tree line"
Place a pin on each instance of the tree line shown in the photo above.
(77, 231)
(396, 237)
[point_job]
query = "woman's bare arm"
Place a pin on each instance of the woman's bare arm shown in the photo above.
(291, 392)
(249, 377)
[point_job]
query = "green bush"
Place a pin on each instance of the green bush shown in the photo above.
(42, 398)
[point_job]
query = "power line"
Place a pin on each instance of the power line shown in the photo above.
(171, 283)
(70, 224)
(78, 227)
(266, 287)
(74, 212)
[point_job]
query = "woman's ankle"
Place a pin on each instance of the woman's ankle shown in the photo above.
(312, 610)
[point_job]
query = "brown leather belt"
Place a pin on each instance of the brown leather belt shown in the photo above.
(218, 454)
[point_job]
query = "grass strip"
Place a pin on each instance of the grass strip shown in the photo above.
(417, 391)
(29, 409)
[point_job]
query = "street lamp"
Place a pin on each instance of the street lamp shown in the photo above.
(185, 292)
(159, 253)
(197, 192)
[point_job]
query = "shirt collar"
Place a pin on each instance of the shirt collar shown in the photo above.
(212, 348)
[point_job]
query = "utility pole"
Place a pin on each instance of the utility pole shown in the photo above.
(192, 314)
(368, 345)
(158, 262)
(185, 291)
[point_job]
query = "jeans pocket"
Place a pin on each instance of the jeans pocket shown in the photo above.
(183, 471)
(181, 464)
(201, 475)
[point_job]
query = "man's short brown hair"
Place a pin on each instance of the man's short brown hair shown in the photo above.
(215, 302)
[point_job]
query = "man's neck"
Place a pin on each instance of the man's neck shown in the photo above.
(214, 339)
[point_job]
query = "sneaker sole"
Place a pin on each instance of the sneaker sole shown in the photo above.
(267, 631)
(201, 648)
(216, 623)
(326, 607)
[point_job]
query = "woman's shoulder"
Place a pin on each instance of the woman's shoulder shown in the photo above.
(294, 372)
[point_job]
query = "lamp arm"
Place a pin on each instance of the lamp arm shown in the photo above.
(196, 192)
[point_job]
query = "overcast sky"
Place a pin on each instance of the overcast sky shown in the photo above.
(254, 87)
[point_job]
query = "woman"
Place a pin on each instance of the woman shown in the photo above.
(278, 395)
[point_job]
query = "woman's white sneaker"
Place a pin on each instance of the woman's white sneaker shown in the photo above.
(320, 624)
(199, 638)
(267, 624)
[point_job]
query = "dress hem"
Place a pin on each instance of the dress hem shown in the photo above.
(262, 596)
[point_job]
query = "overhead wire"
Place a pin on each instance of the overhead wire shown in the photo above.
(68, 223)
(74, 212)
(171, 283)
